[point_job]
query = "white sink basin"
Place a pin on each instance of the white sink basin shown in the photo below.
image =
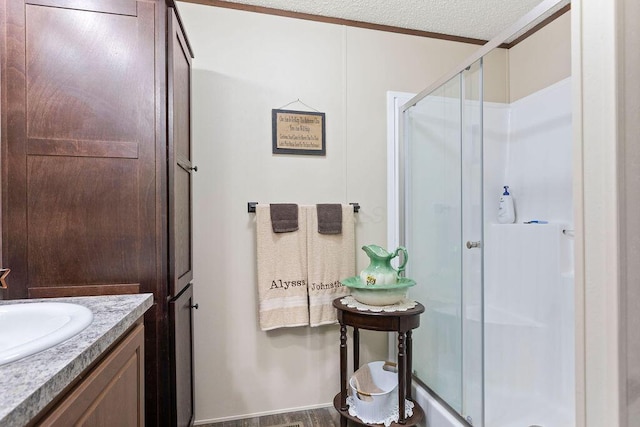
(28, 328)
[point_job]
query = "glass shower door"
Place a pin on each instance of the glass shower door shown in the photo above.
(433, 235)
(442, 212)
(473, 246)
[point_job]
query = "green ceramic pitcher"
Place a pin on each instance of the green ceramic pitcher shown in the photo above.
(380, 271)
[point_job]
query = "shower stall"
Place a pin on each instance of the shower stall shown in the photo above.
(496, 342)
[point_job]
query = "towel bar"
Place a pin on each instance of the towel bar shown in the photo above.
(251, 207)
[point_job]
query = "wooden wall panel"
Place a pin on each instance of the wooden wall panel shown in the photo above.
(119, 7)
(182, 221)
(180, 162)
(182, 101)
(82, 74)
(83, 221)
(84, 291)
(182, 374)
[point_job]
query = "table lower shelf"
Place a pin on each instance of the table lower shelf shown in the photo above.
(418, 415)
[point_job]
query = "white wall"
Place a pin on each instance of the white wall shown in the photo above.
(540, 60)
(247, 64)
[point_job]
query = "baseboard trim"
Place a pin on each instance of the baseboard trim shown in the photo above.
(262, 414)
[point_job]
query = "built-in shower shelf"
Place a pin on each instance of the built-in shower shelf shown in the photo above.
(533, 225)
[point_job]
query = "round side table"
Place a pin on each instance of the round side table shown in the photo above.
(402, 322)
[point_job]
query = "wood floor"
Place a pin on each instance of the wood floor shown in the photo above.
(323, 417)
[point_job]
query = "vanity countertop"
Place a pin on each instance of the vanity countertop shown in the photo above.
(28, 385)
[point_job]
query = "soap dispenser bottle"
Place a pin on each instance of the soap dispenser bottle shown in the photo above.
(506, 210)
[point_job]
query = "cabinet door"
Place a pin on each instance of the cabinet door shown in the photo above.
(78, 143)
(180, 161)
(112, 394)
(181, 319)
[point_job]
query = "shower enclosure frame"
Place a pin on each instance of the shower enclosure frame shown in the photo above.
(547, 7)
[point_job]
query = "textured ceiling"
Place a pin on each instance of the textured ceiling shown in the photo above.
(480, 19)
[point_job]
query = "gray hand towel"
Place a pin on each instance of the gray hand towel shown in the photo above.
(284, 217)
(329, 218)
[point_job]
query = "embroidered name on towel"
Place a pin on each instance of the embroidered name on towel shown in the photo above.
(283, 284)
(324, 286)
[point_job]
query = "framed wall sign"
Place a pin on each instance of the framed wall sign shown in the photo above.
(298, 132)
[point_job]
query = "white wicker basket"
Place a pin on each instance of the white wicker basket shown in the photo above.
(373, 403)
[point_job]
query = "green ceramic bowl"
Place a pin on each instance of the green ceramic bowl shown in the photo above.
(388, 294)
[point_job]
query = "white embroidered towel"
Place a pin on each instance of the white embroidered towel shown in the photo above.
(331, 257)
(282, 272)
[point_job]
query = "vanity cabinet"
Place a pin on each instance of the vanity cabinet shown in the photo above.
(111, 394)
(95, 109)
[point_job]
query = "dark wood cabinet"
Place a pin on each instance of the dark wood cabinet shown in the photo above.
(180, 165)
(78, 143)
(180, 228)
(96, 161)
(110, 394)
(181, 315)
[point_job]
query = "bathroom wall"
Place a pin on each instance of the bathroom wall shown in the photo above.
(540, 60)
(247, 64)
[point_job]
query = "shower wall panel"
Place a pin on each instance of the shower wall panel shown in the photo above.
(528, 294)
(538, 169)
(528, 323)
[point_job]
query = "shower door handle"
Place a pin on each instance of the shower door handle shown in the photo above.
(471, 245)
